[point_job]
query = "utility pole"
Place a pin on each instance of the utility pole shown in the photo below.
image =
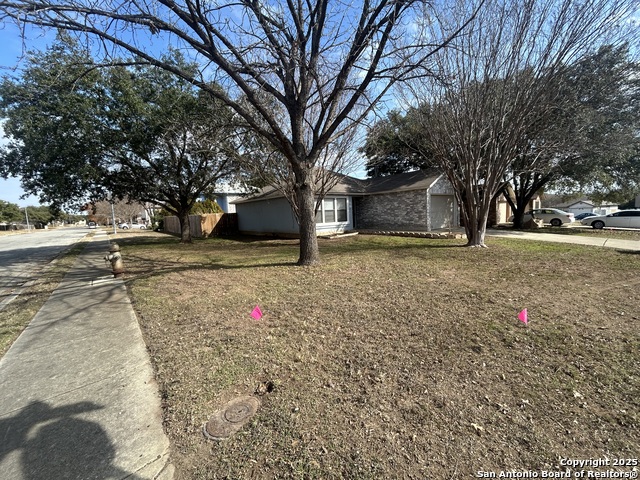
(27, 217)
(113, 217)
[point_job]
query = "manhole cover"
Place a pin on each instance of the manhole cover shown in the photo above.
(227, 421)
(238, 413)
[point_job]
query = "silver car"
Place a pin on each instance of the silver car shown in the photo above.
(126, 226)
(549, 215)
(621, 219)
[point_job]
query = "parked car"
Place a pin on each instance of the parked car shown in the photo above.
(580, 216)
(553, 216)
(126, 226)
(621, 219)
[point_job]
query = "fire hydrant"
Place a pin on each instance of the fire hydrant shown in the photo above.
(117, 266)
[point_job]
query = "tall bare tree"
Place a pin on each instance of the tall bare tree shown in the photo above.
(125, 211)
(323, 64)
(499, 83)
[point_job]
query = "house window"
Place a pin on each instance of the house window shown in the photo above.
(329, 209)
(332, 210)
(341, 209)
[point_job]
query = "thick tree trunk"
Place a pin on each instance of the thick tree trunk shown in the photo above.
(476, 232)
(518, 218)
(475, 238)
(518, 202)
(519, 197)
(522, 203)
(475, 215)
(185, 227)
(306, 203)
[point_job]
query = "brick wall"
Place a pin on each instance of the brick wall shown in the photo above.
(392, 211)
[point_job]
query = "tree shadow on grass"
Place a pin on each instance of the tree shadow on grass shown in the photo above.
(163, 267)
(255, 241)
(249, 252)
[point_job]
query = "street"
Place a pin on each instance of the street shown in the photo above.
(23, 256)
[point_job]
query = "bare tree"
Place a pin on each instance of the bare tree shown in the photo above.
(322, 64)
(124, 210)
(498, 84)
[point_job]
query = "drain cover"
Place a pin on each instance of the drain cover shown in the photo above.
(227, 421)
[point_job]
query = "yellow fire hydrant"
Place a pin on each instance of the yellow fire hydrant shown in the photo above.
(117, 265)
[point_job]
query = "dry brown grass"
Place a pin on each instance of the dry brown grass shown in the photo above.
(395, 358)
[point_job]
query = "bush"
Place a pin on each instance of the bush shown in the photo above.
(207, 206)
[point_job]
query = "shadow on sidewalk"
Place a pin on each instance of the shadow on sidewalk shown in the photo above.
(54, 443)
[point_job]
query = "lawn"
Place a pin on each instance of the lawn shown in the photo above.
(395, 358)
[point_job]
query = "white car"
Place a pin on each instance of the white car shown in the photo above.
(621, 219)
(553, 216)
(125, 226)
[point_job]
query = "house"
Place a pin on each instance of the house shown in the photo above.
(585, 205)
(226, 193)
(423, 200)
(269, 213)
(414, 201)
(501, 211)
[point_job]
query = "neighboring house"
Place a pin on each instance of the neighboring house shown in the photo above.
(585, 205)
(225, 194)
(414, 201)
(501, 211)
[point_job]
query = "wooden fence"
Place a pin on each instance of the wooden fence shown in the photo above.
(204, 226)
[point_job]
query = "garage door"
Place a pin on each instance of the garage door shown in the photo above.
(442, 211)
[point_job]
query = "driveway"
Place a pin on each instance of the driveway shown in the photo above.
(559, 238)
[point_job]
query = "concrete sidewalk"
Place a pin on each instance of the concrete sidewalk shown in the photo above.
(78, 398)
(574, 239)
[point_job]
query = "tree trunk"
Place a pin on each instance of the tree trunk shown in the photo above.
(518, 219)
(476, 231)
(520, 196)
(477, 237)
(185, 226)
(475, 215)
(306, 202)
(522, 202)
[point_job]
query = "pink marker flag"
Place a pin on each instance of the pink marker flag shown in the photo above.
(523, 317)
(257, 313)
